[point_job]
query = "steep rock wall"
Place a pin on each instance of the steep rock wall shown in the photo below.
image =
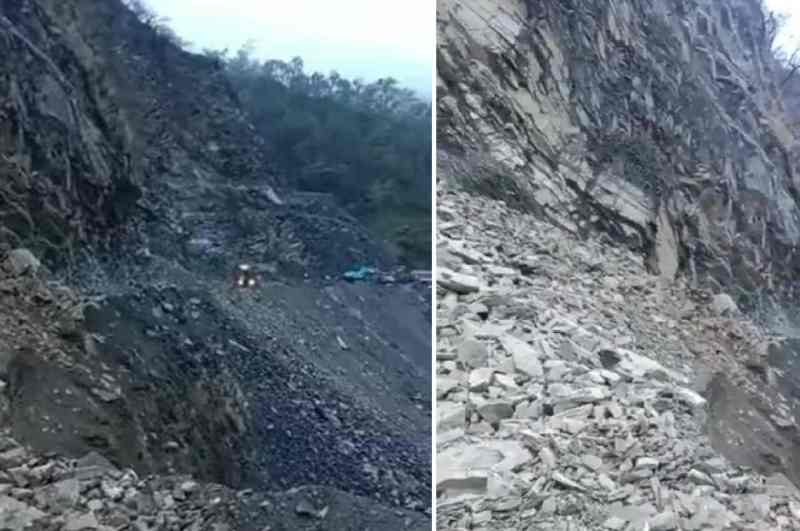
(653, 121)
(97, 114)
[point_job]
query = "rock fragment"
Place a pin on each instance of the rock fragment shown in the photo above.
(21, 262)
(457, 282)
(525, 357)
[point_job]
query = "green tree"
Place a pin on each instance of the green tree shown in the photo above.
(369, 144)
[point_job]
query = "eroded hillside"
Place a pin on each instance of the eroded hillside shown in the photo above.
(130, 171)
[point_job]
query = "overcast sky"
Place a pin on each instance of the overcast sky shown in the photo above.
(790, 36)
(358, 38)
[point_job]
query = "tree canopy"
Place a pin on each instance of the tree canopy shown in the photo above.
(368, 144)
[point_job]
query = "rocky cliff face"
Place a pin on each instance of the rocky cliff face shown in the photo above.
(127, 166)
(583, 385)
(99, 113)
(655, 122)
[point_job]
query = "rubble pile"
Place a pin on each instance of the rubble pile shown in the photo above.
(86, 443)
(43, 493)
(571, 386)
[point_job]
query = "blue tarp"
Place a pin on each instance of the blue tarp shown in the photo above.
(361, 273)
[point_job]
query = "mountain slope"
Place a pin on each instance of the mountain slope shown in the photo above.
(98, 113)
(129, 169)
(617, 249)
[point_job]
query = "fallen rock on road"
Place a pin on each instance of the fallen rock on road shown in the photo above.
(575, 403)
